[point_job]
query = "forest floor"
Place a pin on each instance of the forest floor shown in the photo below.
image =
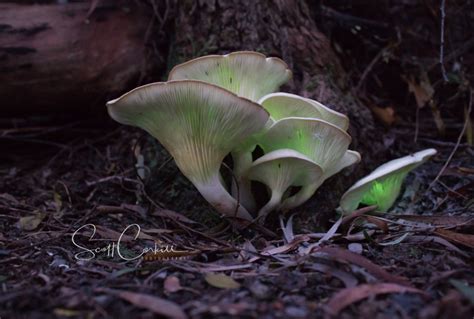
(413, 262)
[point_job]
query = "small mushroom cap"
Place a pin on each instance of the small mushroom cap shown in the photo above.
(282, 105)
(197, 122)
(331, 116)
(349, 158)
(383, 185)
(283, 168)
(246, 73)
(323, 142)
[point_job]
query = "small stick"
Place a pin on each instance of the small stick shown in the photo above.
(458, 142)
(441, 46)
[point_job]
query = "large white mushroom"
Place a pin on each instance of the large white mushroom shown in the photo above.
(248, 74)
(199, 124)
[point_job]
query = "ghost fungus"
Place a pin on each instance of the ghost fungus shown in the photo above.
(321, 141)
(383, 185)
(279, 170)
(349, 158)
(199, 124)
(324, 143)
(283, 105)
(338, 119)
(246, 73)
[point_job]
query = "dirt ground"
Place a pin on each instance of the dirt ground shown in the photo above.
(411, 263)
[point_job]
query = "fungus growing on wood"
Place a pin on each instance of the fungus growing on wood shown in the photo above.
(246, 73)
(199, 124)
(279, 170)
(383, 185)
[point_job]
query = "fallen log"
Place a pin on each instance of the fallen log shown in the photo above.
(62, 57)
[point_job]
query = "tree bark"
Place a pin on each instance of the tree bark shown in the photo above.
(60, 57)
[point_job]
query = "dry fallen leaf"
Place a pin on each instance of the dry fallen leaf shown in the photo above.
(61, 312)
(355, 248)
(438, 119)
(172, 284)
(374, 269)
(384, 114)
(348, 296)
(221, 281)
(423, 91)
(154, 304)
(463, 239)
(173, 216)
(30, 222)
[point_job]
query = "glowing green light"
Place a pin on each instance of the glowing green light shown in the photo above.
(383, 193)
(383, 185)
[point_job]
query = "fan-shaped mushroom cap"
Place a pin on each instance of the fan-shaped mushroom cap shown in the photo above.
(246, 73)
(383, 185)
(349, 158)
(198, 123)
(322, 142)
(282, 105)
(281, 169)
(331, 116)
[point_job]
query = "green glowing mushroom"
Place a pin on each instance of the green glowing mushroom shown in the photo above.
(321, 141)
(383, 185)
(324, 143)
(282, 105)
(279, 170)
(199, 124)
(247, 74)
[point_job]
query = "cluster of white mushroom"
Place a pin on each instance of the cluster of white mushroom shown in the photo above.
(216, 105)
(224, 104)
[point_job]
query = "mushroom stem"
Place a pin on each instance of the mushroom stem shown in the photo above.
(274, 201)
(242, 190)
(215, 193)
(299, 198)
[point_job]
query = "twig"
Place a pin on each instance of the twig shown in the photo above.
(370, 66)
(442, 143)
(110, 178)
(458, 142)
(417, 123)
(463, 49)
(340, 17)
(441, 46)
(379, 55)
